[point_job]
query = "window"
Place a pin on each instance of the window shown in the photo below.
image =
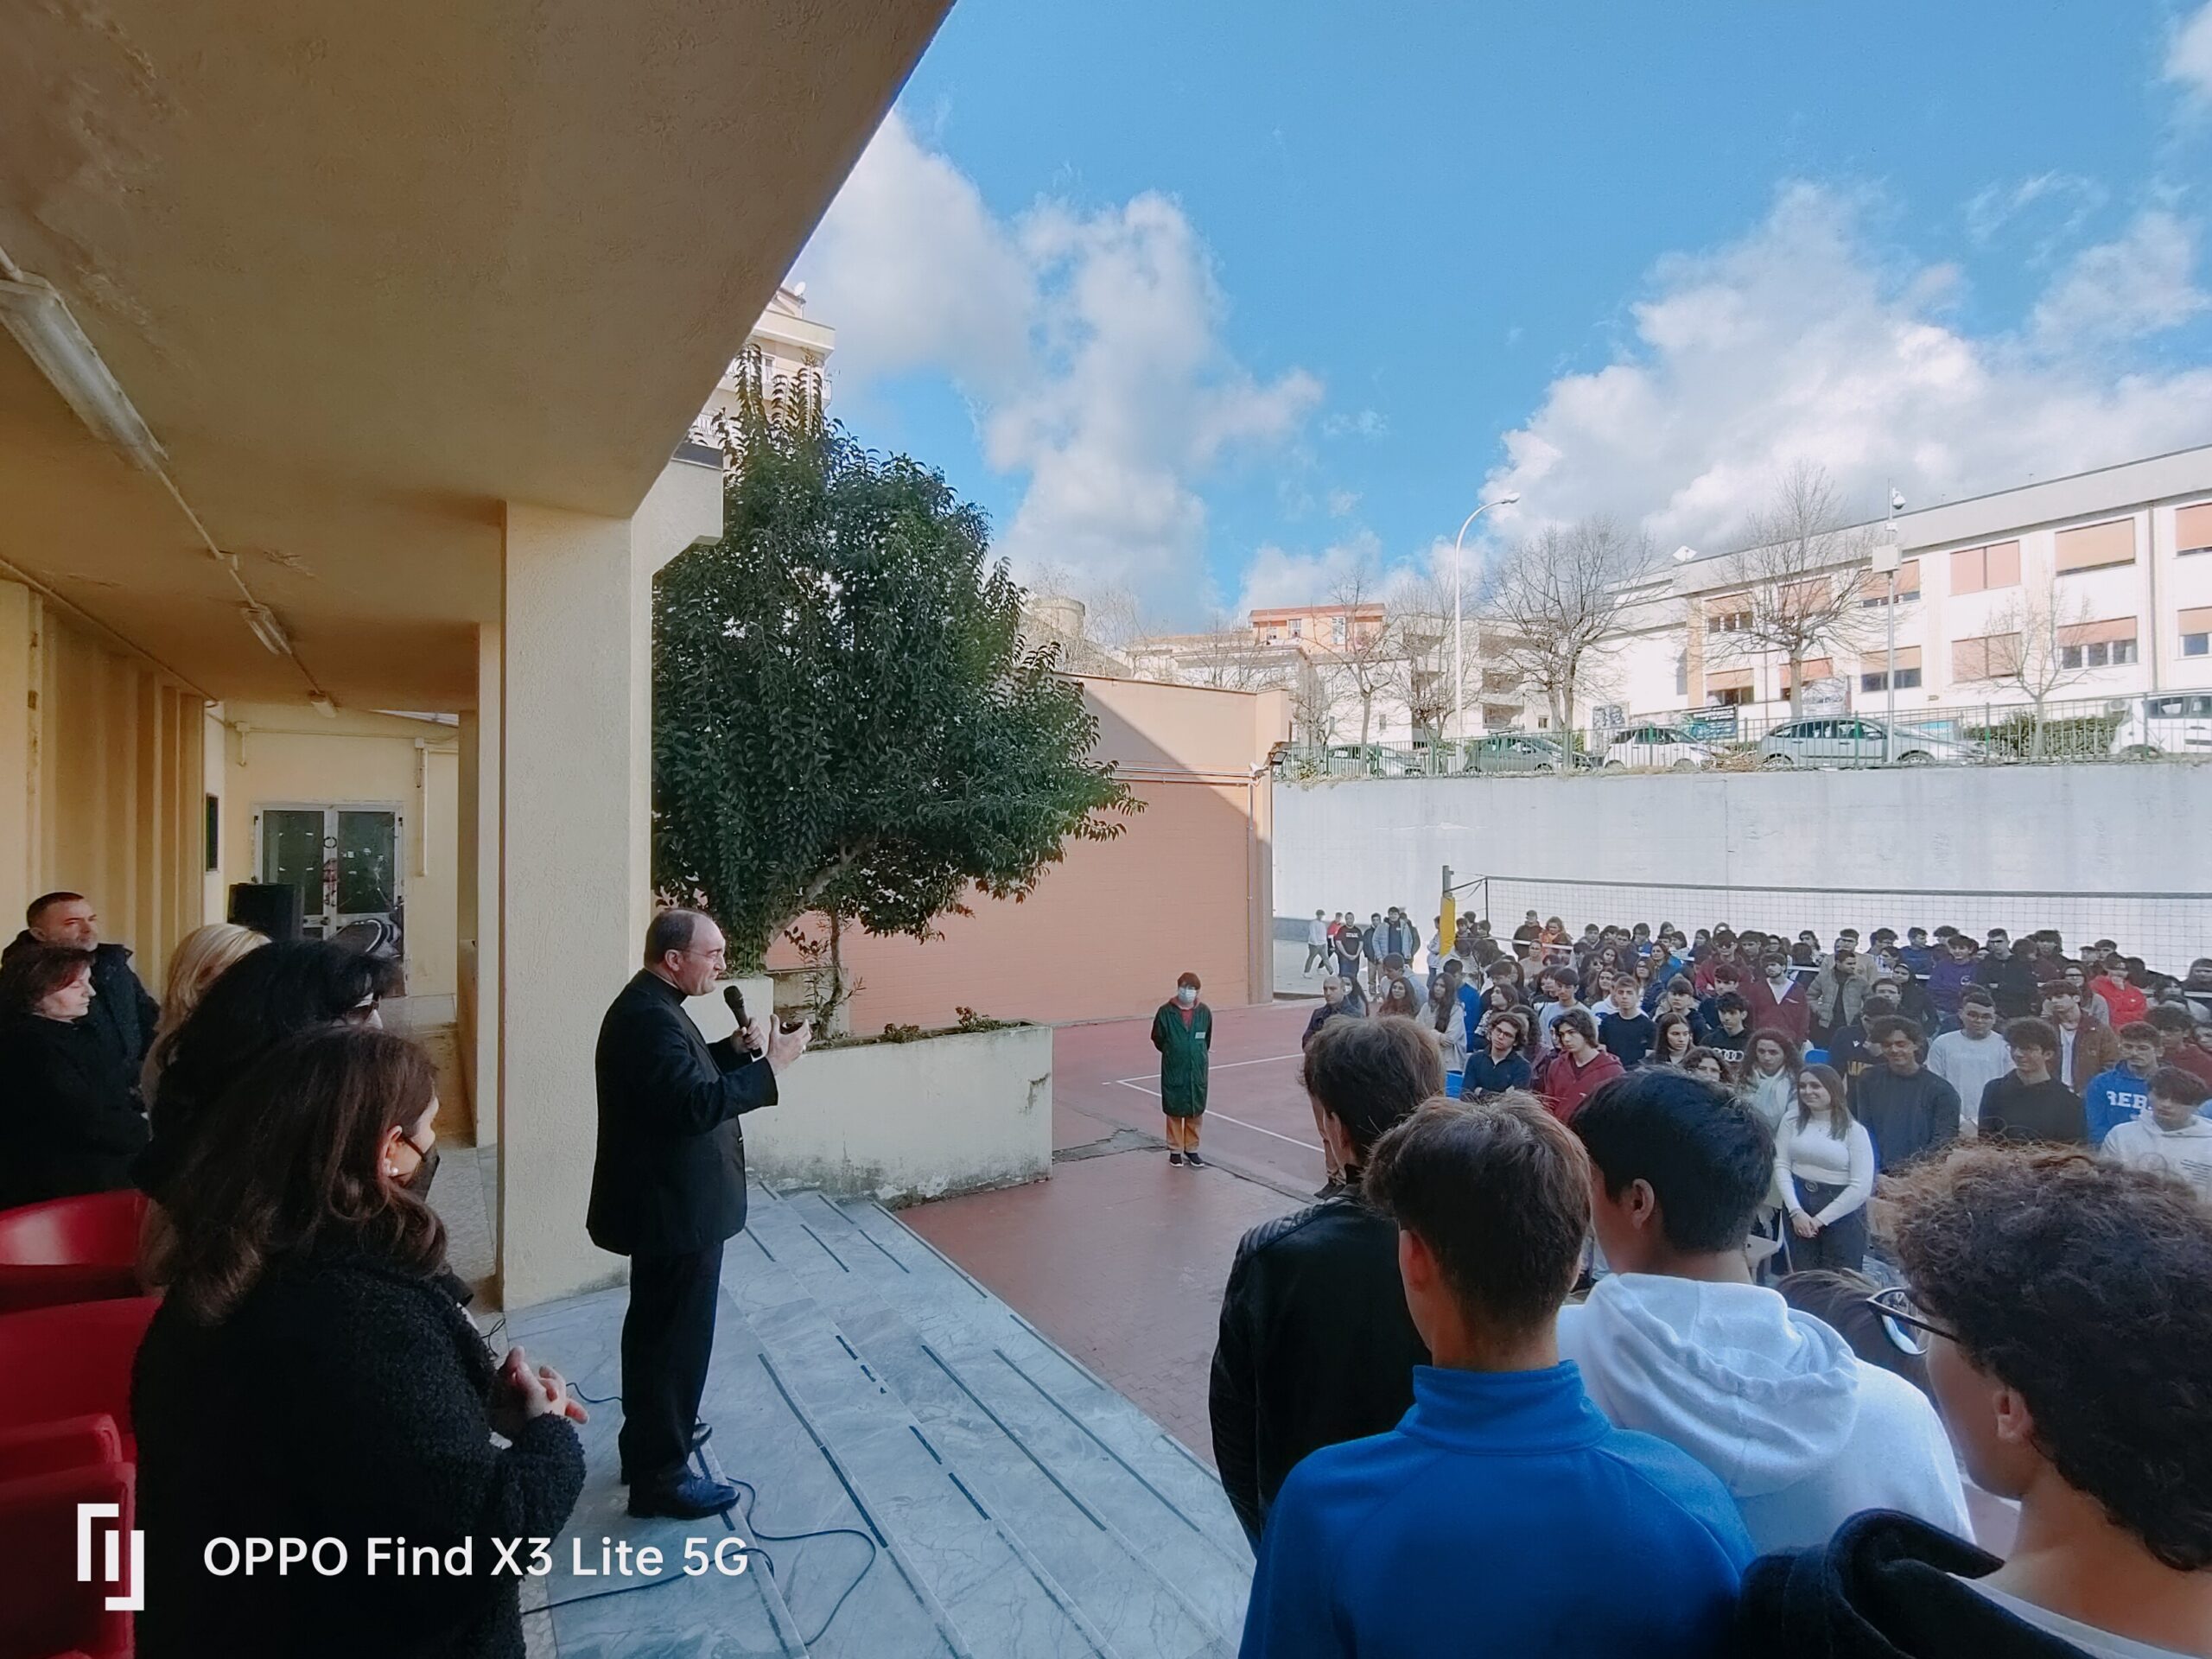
(1816, 668)
(1731, 696)
(1681, 673)
(1729, 615)
(2197, 632)
(1336, 630)
(1908, 680)
(1875, 589)
(2094, 546)
(2193, 528)
(1977, 570)
(1297, 626)
(2097, 645)
(1991, 656)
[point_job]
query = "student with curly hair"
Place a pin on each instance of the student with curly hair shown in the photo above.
(2063, 1304)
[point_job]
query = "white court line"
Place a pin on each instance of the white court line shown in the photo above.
(1140, 1085)
(1226, 1066)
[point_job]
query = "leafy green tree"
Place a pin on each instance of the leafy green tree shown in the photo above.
(845, 721)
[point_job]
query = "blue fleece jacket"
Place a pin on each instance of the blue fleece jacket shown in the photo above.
(2114, 1097)
(1504, 1514)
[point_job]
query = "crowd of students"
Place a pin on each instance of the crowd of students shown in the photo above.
(1859, 1058)
(1432, 1441)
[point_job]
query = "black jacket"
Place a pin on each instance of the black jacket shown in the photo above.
(69, 1122)
(122, 1014)
(1884, 1588)
(669, 1176)
(343, 1398)
(1316, 1347)
(2010, 982)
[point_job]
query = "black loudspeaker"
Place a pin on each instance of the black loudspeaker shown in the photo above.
(269, 907)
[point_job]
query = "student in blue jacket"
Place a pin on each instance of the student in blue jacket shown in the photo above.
(1504, 1512)
(2120, 1094)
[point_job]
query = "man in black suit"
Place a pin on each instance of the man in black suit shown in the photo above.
(123, 1016)
(668, 1188)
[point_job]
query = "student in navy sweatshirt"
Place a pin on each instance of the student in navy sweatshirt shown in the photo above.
(1503, 1510)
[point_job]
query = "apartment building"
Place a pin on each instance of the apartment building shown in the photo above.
(2106, 574)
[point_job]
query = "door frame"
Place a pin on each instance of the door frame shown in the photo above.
(398, 811)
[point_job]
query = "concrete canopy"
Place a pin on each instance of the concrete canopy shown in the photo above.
(369, 272)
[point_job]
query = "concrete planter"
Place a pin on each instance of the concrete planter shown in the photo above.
(898, 1121)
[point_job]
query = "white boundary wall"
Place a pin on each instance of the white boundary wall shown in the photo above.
(1900, 846)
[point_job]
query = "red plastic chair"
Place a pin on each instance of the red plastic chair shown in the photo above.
(46, 1611)
(59, 1363)
(79, 1249)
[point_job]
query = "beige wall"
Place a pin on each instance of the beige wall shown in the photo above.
(104, 780)
(1187, 886)
(276, 754)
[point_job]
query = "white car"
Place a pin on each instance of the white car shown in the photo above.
(1664, 746)
(2165, 724)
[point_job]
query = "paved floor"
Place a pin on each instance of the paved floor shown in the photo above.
(1120, 1258)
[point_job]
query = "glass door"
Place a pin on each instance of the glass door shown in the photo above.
(344, 860)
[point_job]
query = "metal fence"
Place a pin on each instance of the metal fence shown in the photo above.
(2167, 930)
(2154, 726)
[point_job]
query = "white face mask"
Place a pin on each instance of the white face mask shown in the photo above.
(1186, 995)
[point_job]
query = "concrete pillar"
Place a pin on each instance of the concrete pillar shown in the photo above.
(19, 715)
(576, 772)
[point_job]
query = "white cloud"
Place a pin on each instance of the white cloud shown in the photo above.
(2061, 201)
(1802, 342)
(2189, 53)
(2143, 282)
(1277, 576)
(1369, 423)
(1089, 341)
(1341, 503)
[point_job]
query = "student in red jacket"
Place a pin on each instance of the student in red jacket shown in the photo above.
(1777, 1000)
(1576, 1066)
(2126, 1000)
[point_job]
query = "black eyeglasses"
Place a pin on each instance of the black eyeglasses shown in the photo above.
(1904, 1324)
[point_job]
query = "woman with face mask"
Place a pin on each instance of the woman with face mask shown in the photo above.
(309, 1372)
(1183, 1033)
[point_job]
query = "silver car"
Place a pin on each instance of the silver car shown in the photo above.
(1855, 740)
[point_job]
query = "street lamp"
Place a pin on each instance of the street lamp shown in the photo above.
(1459, 620)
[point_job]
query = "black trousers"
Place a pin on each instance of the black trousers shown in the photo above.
(668, 1337)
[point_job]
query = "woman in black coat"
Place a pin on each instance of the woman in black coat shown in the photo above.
(310, 1375)
(69, 1122)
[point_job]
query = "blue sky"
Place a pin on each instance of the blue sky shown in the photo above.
(1212, 304)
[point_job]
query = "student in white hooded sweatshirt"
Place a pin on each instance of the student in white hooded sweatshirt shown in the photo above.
(1679, 1343)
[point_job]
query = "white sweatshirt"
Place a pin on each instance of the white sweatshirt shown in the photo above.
(2185, 1152)
(1968, 1067)
(1773, 1098)
(1812, 1152)
(1770, 1400)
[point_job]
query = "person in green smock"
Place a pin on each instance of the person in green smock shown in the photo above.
(1183, 1033)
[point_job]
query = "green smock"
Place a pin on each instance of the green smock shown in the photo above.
(1182, 1050)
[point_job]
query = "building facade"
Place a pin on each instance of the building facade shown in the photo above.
(2100, 583)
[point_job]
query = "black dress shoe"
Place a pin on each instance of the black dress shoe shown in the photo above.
(701, 1433)
(692, 1498)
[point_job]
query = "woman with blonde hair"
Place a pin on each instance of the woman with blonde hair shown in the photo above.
(200, 958)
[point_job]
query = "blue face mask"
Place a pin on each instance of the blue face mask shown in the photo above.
(1186, 997)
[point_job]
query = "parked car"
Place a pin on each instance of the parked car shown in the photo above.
(2165, 724)
(1369, 761)
(1855, 741)
(1657, 746)
(1521, 751)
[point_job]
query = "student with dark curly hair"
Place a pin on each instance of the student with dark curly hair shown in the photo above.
(2063, 1304)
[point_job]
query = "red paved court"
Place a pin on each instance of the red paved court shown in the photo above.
(1121, 1258)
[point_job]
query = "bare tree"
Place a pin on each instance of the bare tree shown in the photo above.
(1233, 659)
(1805, 576)
(1423, 679)
(1554, 601)
(1365, 660)
(1313, 702)
(2028, 646)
